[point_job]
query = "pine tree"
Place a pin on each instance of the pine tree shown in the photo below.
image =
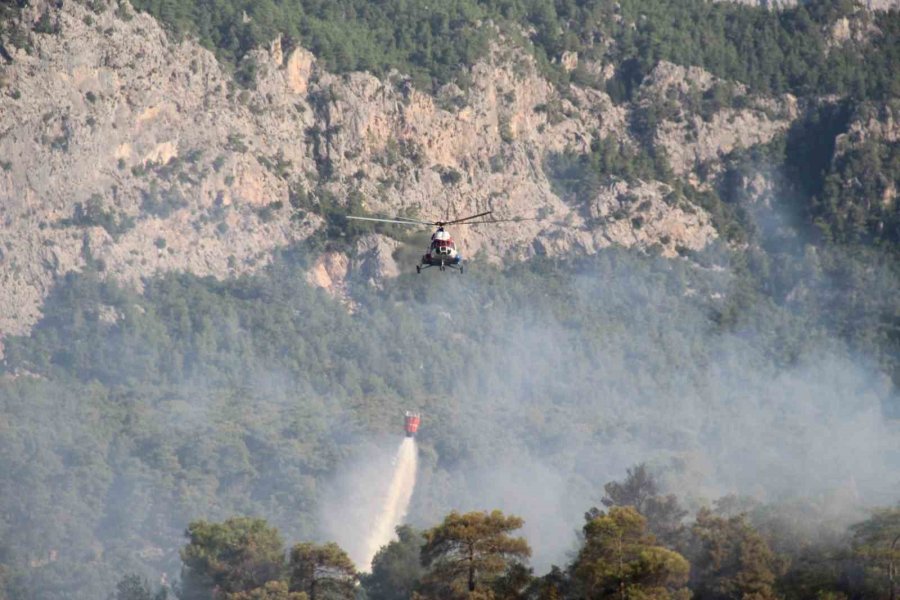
(469, 551)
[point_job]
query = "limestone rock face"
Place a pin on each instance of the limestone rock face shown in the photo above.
(329, 272)
(124, 148)
(704, 118)
(139, 154)
(877, 123)
(651, 216)
(375, 258)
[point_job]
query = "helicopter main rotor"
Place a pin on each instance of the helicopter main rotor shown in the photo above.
(408, 221)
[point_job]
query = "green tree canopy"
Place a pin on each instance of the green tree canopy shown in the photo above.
(877, 540)
(619, 559)
(468, 551)
(640, 490)
(135, 587)
(397, 567)
(273, 590)
(554, 585)
(323, 572)
(238, 555)
(770, 51)
(731, 560)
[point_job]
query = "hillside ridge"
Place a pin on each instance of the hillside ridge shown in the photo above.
(129, 150)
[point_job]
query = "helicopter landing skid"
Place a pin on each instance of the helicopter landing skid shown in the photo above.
(442, 267)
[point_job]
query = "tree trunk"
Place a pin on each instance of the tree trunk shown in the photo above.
(472, 569)
(621, 569)
(892, 569)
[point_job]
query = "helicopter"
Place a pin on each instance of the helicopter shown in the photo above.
(442, 252)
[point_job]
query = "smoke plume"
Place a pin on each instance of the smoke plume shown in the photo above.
(396, 502)
(370, 498)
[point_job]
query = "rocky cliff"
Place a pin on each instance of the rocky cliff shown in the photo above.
(136, 154)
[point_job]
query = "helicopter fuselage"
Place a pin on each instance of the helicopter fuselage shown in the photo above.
(436, 260)
(442, 252)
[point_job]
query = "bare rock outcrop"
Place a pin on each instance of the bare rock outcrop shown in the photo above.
(124, 149)
(873, 125)
(700, 118)
(873, 121)
(652, 216)
(329, 272)
(374, 259)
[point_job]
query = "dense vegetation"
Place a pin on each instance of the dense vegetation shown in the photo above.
(856, 201)
(639, 547)
(427, 41)
(773, 52)
(12, 33)
(136, 414)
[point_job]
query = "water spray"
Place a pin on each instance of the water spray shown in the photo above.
(399, 493)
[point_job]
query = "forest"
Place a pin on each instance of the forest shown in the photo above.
(205, 399)
(771, 51)
(636, 546)
(197, 427)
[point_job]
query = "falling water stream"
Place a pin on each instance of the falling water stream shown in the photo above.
(396, 501)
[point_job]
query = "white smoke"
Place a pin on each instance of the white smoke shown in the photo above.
(396, 502)
(363, 506)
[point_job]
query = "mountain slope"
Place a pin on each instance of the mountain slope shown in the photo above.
(141, 154)
(705, 276)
